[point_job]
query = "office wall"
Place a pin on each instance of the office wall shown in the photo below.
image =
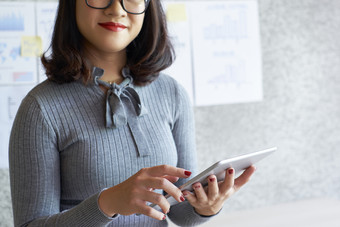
(300, 113)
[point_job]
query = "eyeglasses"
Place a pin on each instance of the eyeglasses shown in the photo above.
(130, 6)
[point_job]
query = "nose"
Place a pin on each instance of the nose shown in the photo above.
(115, 9)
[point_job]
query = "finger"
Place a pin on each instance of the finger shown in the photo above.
(172, 179)
(244, 177)
(158, 199)
(190, 197)
(165, 185)
(151, 212)
(228, 180)
(201, 196)
(162, 170)
(213, 189)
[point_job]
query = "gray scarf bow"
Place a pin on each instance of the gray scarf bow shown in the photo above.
(123, 107)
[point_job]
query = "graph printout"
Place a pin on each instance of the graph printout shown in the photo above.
(10, 99)
(226, 52)
(45, 16)
(178, 25)
(17, 19)
(24, 27)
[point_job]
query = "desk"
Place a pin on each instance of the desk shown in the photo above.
(309, 213)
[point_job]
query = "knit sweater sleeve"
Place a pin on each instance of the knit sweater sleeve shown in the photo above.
(35, 174)
(183, 214)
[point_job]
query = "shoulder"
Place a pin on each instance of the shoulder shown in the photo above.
(39, 92)
(167, 85)
(166, 78)
(49, 89)
(52, 91)
(49, 96)
(165, 91)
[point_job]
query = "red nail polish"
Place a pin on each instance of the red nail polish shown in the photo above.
(187, 173)
(182, 198)
(211, 179)
(164, 217)
(197, 186)
(230, 171)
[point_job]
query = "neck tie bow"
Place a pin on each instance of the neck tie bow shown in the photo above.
(123, 107)
(122, 101)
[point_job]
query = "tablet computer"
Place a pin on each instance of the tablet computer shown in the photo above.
(239, 163)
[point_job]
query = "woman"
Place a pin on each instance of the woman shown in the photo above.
(107, 134)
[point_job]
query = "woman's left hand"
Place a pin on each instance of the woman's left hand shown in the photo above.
(209, 201)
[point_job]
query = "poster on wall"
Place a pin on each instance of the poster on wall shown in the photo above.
(226, 52)
(17, 27)
(25, 32)
(179, 33)
(218, 55)
(10, 99)
(45, 18)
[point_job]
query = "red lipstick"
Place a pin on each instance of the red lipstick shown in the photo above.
(115, 27)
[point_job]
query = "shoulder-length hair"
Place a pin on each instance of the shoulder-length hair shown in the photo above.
(150, 52)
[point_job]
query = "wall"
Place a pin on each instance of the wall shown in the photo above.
(300, 113)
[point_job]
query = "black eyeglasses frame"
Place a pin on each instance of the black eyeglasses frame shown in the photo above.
(122, 4)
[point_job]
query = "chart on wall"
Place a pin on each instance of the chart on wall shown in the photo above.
(178, 26)
(45, 16)
(220, 41)
(226, 52)
(217, 45)
(16, 23)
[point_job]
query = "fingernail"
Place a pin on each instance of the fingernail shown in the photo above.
(164, 217)
(197, 186)
(185, 194)
(187, 173)
(182, 198)
(230, 171)
(212, 179)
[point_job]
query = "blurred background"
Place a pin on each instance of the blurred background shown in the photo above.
(298, 111)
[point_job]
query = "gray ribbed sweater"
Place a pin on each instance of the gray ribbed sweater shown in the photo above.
(62, 155)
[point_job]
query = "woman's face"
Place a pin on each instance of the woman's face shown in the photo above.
(108, 30)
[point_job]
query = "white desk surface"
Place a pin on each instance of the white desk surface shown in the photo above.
(309, 213)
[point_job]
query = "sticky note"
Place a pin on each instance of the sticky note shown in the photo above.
(176, 12)
(31, 46)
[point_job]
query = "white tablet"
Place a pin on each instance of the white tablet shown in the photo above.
(218, 169)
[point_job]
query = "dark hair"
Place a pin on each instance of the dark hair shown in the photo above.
(150, 52)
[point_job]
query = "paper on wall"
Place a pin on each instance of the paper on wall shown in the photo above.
(31, 46)
(226, 52)
(10, 99)
(178, 25)
(45, 17)
(16, 21)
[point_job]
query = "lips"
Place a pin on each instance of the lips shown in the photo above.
(115, 27)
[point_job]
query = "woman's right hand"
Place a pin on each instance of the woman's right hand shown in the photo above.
(132, 195)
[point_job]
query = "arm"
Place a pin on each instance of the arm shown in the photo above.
(183, 214)
(35, 174)
(202, 205)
